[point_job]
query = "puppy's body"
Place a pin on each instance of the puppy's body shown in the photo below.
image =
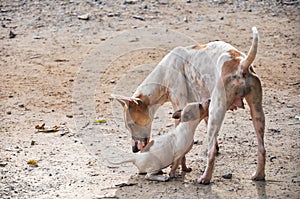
(170, 148)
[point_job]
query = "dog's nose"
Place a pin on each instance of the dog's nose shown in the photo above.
(134, 145)
(135, 148)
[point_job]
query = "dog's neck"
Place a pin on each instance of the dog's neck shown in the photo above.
(187, 129)
(153, 91)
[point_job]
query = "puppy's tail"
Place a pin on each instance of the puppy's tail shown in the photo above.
(132, 160)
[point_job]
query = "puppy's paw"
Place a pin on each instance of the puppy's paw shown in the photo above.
(175, 175)
(187, 169)
(159, 178)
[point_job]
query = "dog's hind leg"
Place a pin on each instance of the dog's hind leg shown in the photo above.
(174, 167)
(152, 177)
(254, 100)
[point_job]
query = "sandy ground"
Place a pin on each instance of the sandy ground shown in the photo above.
(59, 69)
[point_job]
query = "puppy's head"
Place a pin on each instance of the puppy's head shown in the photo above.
(192, 111)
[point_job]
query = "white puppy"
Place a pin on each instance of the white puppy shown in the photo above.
(170, 148)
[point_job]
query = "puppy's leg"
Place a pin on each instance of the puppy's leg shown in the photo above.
(183, 165)
(217, 112)
(151, 176)
(174, 168)
(183, 160)
(254, 100)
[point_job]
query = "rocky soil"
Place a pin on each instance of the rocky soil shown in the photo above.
(61, 60)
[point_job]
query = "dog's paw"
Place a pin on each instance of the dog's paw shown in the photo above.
(258, 176)
(203, 180)
(186, 169)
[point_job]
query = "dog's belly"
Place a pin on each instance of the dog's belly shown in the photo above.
(237, 103)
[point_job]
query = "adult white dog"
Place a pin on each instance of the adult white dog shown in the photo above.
(217, 71)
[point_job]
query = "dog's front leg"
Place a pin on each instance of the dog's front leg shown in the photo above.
(217, 112)
(254, 100)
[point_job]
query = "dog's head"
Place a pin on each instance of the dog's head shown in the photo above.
(192, 111)
(137, 120)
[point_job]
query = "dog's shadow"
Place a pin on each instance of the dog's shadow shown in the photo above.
(179, 187)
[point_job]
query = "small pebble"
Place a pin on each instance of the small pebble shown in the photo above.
(169, 125)
(11, 35)
(110, 14)
(138, 17)
(227, 176)
(32, 142)
(272, 158)
(163, 2)
(185, 20)
(37, 37)
(3, 164)
(69, 116)
(84, 17)
(130, 1)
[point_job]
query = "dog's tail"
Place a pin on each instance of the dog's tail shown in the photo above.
(252, 52)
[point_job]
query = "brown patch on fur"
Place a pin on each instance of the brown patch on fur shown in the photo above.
(206, 109)
(144, 98)
(147, 147)
(230, 67)
(139, 112)
(234, 54)
(198, 47)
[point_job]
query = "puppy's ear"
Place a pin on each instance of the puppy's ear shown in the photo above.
(200, 106)
(206, 104)
(177, 114)
(191, 115)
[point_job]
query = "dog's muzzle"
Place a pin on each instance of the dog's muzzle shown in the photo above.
(138, 143)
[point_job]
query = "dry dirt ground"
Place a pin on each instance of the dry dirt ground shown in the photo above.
(59, 69)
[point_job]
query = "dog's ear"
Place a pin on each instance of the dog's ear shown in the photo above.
(126, 101)
(177, 114)
(190, 115)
